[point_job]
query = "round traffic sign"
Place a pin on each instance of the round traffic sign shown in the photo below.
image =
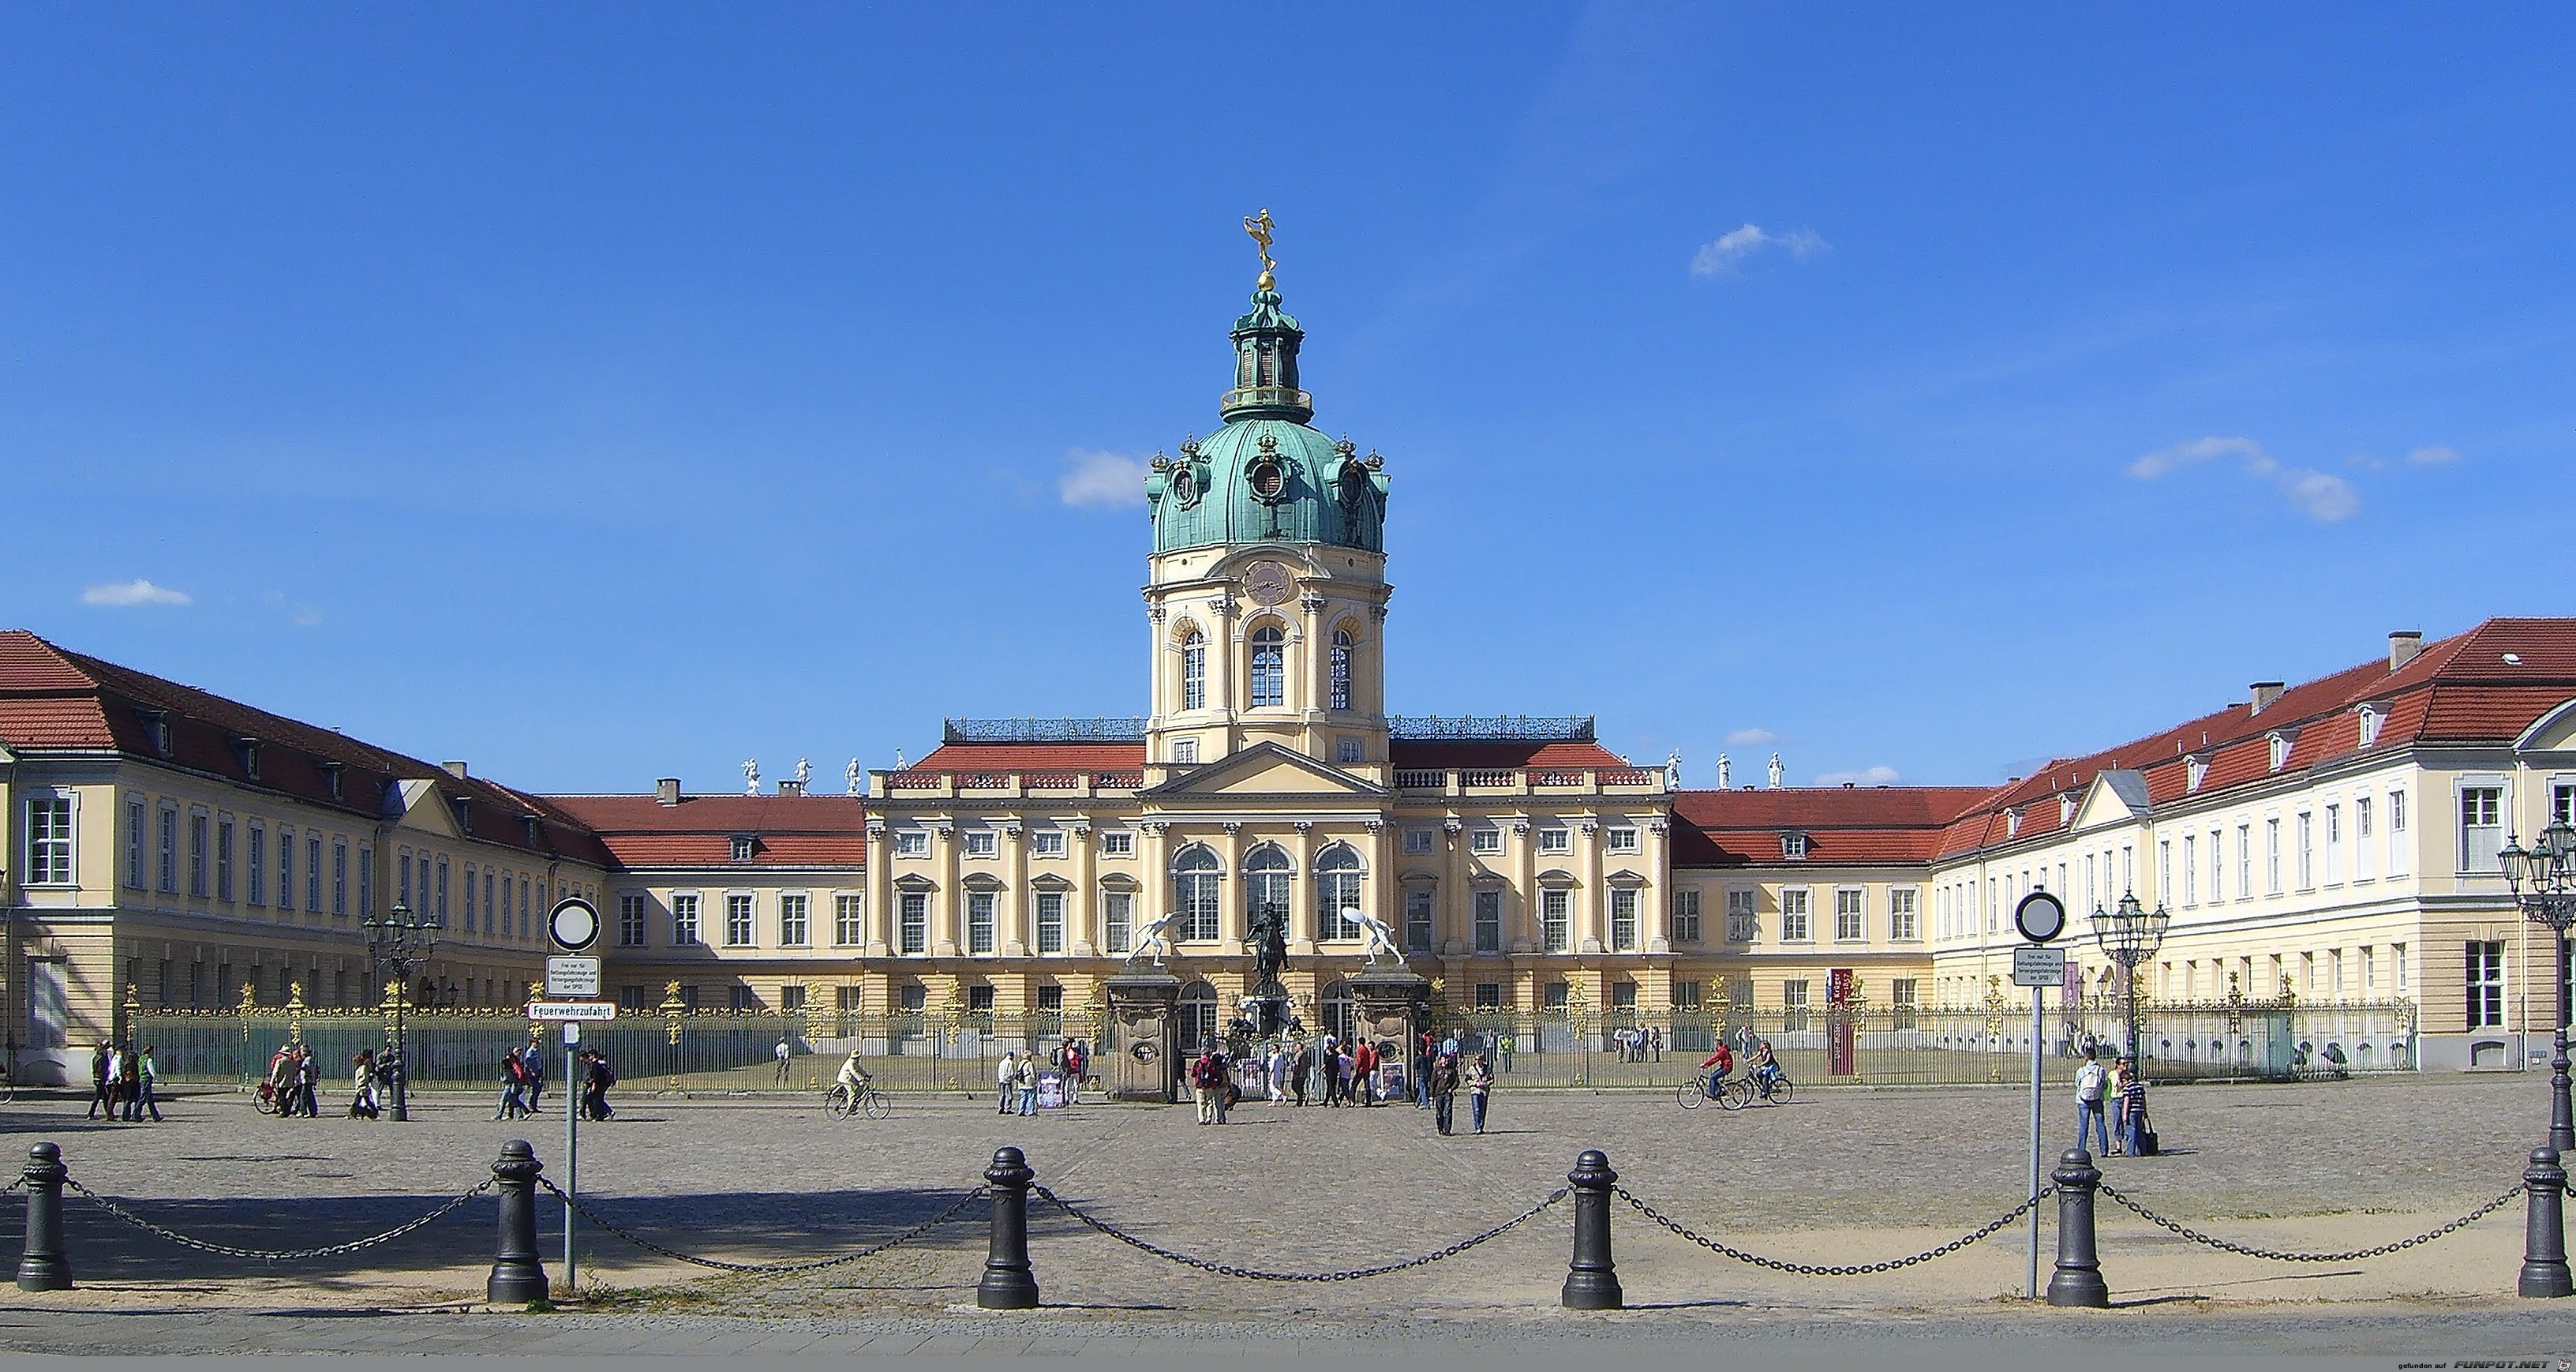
(573, 925)
(2040, 917)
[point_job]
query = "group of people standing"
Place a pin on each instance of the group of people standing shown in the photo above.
(2122, 1088)
(1639, 1045)
(121, 1082)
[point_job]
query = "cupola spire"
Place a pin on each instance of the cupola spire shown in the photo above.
(1265, 347)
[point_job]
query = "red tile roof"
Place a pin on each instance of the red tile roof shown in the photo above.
(1032, 757)
(1843, 825)
(793, 831)
(1430, 754)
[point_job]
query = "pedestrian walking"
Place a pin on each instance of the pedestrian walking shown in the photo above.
(1207, 1085)
(129, 1082)
(99, 1091)
(1006, 1082)
(1301, 1064)
(1480, 1084)
(1444, 1091)
(1276, 1070)
(514, 1100)
(1077, 1060)
(1025, 1082)
(1345, 1070)
(782, 1053)
(362, 1085)
(532, 1064)
(2090, 1082)
(597, 1077)
(1364, 1071)
(147, 1079)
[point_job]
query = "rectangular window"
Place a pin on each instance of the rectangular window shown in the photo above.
(2272, 856)
(1194, 675)
(1555, 910)
(793, 928)
(1484, 840)
(1686, 995)
(1349, 750)
(286, 871)
(169, 852)
(979, 921)
(402, 878)
(1185, 750)
(1623, 919)
(1417, 921)
(1117, 921)
(2397, 965)
(1117, 843)
(2397, 864)
(913, 910)
(2364, 860)
(313, 872)
(367, 883)
(1489, 921)
(1620, 838)
(1046, 843)
(197, 845)
(340, 879)
(912, 843)
(2164, 870)
(2369, 968)
(1743, 925)
(1900, 999)
(1418, 842)
(982, 843)
(738, 932)
(684, 921)
(488, 904)
(255, 866)
(1556, 840)
(2334, 845)
(134, 823)
(2481, 827)
(2244, 861)
(2190, 870)
(49, 842)
(1793, 1005)
(1794, 916)
(630, 921)
(849, 927)
(2562, 803)
(1489, 995)
(1686, 915)
(2486, 984)
(1904, 915)
(1050, 921)
(1850, 923)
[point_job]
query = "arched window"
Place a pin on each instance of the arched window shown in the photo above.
(1265, 884)
(1341, 669)
(1195, 876)
(1337, 888)
(1337, 1011)
(1198, 1017)
(1269, 666)
(1193, 670)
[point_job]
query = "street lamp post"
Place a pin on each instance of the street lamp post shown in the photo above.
(2543, 879)
(400, 943)
(2129, 934)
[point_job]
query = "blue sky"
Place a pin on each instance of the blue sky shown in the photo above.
(600, 393)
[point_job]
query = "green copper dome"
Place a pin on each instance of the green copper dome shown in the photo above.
(1268, 476)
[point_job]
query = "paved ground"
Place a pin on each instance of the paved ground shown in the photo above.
(1842, 1177)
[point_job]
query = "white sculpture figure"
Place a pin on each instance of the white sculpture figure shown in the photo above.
(1673, 772)
(804, 773)
(1380, 937)
(751, 776)
(1150, 937)
(855, 779)
(1775, 771)
(898, 759)
(1725, 770)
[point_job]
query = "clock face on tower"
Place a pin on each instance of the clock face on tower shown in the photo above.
(1268, 583)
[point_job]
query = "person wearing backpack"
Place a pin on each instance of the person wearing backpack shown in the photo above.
(2091, 1080)
(1206, 1080)
(2136, 1137)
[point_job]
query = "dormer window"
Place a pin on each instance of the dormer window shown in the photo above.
(1793, 845)
(246, 751)
(2281, 741)
(743, 847)
(463, 807)
(2066, 810)
(2012, 823)
(2373, 715)
(331, 780)
(534, 827)
(156, 730)
(2195, 770)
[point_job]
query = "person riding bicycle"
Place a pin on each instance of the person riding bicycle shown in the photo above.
(1717, 1065)
(1765, 1070)
(853, 1077)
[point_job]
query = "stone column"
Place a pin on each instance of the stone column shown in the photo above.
(1593, 910)
(1082, 904)
(1231, 888)
(1318, 667)
(1656, 922)
(1221, 670)
(1520, 904)
(947, 934)
(1014, 937)
(1303, 922)
(1382, 893)
(1454, 910)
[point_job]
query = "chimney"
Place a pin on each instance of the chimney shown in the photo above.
(455, 769)
(2265, 692)
(2403, 645)
(791, 788)
(666, 790)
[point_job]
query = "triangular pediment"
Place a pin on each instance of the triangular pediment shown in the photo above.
(2114, 798)
(1264, 769)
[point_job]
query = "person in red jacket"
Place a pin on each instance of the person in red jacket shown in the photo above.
(1364, 1071)
(1717, 1065)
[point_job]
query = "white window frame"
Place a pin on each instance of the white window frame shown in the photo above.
(1556, 838)
(1622, 838)
(795, 919)
(1048, 920)
(1686, 914)
(849, 919)
(2498, 800)
(1743, 914)
(1624, 924)
(685, 930)
(1904, 914)
(1851, 914)
(53, 857)
(983, 918)
(912, 923)
(1488, 911)
(1485, 840)
(1185, 750)
(1046, 843)
(1797, 914)
(742, 920)
(1117, 921)
(632, 912)
(979, 843)
(1418, 842)
(1556, 918)
(1117, 843)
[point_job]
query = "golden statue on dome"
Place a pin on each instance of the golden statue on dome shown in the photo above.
(1261, 228)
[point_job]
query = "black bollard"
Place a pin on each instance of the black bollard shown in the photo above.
(1007, 1283)
(2544, 1233)
(43, 1265)
(518, 1274)
(2078, 1280)
(1592, 1279)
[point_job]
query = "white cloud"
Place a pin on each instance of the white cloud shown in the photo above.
(2434, 456)
(2322, 497)
(135, 592)
(1751, 738)
(1721, 257)
(1867, 776)
(1101, 480)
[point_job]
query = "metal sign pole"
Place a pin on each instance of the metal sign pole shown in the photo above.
(572, 1147)
(2038, 1022)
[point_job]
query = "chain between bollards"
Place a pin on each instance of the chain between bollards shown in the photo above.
(42, 1264)
(1592, 1277)
(1007, 1283)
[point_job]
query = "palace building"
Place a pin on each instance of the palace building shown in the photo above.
(2333, 840)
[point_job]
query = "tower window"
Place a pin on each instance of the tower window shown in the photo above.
(1269, 667)
(1193, 671)
(1341, 669)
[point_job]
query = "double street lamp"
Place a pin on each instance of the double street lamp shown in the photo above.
(2129, 934)
(399, 944)
(2543, 880)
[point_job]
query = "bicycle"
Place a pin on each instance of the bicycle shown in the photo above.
(1774, 1089)
(1693, 1094)
(266, 1101)
(870, 1102)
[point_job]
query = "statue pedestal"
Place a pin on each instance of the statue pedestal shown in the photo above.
(1144, 1019)
(1390, 1006)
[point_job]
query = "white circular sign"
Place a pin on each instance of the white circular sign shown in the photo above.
(573, 925)
(2040, 916)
